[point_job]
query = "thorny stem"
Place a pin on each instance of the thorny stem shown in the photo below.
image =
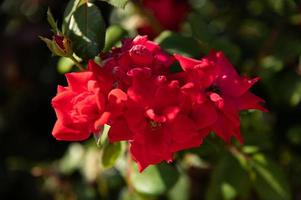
(77, 63)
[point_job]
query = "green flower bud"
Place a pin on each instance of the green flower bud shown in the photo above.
(59, 45)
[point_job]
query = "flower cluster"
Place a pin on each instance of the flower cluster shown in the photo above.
(158, 112)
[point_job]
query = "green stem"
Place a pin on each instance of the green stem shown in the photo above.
(78, 64)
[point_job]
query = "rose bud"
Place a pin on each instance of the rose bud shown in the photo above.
(59, 45)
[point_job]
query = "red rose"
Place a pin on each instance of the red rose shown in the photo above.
(218, 93)
(153, 121)
(81, 107)
(137, 52)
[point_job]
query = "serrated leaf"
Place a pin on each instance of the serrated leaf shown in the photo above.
(155, 180)
(270, 182)
(86, 30)
(110, 154)
(117, 3)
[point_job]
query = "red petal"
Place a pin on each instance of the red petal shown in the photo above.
(217, 99)
(104, 119)
(62, 132)
(153, 150)
(153, 116)
(184, 134)
(251, 101)
(171, 112)
(119, 130)
(61, 89)
(225, 129)
(235, 86)
(204, 115)
(78, 81)
(102, 75)
(117, 97)
(187, 63)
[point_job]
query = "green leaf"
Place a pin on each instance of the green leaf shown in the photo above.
(155, 180)
(201, 29)
(110, 154)
(71, 7)
(270, 182)
(177, 43)
(64, 65)
(113, 35)
(51, 21)
(208, 35)
(229, 181)
(117, 3)
(86, 30)
(102, 137)
(181, 189)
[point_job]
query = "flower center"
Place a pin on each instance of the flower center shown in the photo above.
(60, 41)
(154, 125)
(214, 88)
(141, 55)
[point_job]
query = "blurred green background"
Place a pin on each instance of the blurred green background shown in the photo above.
(261, 38)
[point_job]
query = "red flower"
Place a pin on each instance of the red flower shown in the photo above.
(138, 52)
(153, 121)
(218, 93)
(81, 107)
(158, 112)
(169, 14)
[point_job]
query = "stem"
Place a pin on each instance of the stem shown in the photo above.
(78, 64)
(238, 153)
